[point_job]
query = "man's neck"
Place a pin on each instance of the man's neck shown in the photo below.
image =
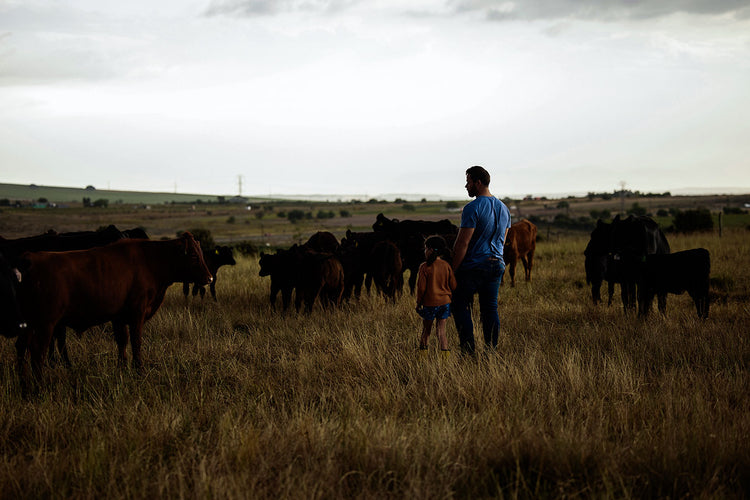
(484, 191)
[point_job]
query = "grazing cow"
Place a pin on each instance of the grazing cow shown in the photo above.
(318, 274)
(632, 239)
(124, 283)
(520, 243)
(282, 268)
(386, 269)
(11, 319)
(322, 241)
(409, 236)
(686, 271)
(220, 256)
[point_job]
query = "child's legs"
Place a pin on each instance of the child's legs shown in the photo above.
(440, 330)
(426, 328)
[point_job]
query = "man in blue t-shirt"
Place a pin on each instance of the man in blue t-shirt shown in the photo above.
(478, 260)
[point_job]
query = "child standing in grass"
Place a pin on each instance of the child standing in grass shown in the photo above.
(435, 284)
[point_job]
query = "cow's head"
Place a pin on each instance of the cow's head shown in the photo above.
(224, 256)
(11, 318)
(267, 264)
(196, 268)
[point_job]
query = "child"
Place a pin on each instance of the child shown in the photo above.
(435, 283)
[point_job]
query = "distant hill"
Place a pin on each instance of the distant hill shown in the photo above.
(62, 195)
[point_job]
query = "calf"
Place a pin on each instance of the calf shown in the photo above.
(219, 256)
(124, 283)
(679, 272)
(282, 269)
(520, 243)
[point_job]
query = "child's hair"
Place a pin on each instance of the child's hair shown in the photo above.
(439, 248)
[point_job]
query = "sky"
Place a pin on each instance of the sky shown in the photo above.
(373, 97)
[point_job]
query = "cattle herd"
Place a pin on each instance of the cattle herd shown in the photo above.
(55, 281)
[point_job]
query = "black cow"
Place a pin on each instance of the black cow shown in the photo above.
(282, 268)
(596, 256)
(385, 268)
(354, 255)
(215, 258)
(409, 236)
(12, 322)
(686, 271)
(632, 239)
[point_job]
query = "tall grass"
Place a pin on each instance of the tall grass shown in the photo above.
(239, 401)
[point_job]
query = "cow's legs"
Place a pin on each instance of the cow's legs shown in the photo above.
(121, 337)
(136, 336)
(512, 272)
(662, 301)
(186, 288)
(212, 288)
(38, 343)
(413, 273)
(530, 260)
(595, 291)
(286, 298)
(610, 291)
(59, 338)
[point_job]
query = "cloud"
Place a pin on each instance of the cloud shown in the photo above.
(605, 10)
(253, 8)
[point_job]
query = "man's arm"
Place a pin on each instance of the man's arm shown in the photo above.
(461, 246)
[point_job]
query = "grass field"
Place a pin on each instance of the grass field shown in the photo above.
(239, 401)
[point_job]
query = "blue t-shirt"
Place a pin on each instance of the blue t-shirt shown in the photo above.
(490, 219)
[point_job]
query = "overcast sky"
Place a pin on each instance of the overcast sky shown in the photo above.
(375, 97)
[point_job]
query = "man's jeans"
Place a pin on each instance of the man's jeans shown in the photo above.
(484, 280)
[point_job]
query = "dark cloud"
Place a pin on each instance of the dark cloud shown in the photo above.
(607, 10)
(251, 8)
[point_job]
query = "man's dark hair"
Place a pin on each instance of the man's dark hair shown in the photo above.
(477, 173)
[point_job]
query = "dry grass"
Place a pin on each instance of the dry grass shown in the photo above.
(241, 402)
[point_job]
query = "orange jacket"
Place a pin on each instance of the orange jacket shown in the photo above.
(435, 283)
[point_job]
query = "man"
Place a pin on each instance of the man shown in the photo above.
(478, 260)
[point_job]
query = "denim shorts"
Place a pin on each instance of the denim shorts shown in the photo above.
(435, 312)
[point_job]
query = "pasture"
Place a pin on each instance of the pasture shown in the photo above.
(239, 401)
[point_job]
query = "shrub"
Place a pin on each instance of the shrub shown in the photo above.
(295, 215)
(451, 204)
(100, 203)
(636, 209)
(408, 207)
(344, 213)
(245, 247)
(231, 219)
(693, 220)
(323, 214)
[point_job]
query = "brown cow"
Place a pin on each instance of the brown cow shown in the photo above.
(319, 274)
(124, 283)
(520, 243)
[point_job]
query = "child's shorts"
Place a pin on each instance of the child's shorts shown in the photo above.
(435, 312)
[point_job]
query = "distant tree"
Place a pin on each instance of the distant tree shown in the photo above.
(295, 215)
(399, 200)
(451, 205)
(100, 203)
(5, 202)
(344, 213)
(408, 207)
(636, 209)
(42, 200)
(323, 214)
(424, 200)
(90, 188)
(693, 220)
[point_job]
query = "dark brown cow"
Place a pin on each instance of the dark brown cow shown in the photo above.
(386, 269)
(124, 283)
(322, 241)
(319, 274)
(520, 243)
